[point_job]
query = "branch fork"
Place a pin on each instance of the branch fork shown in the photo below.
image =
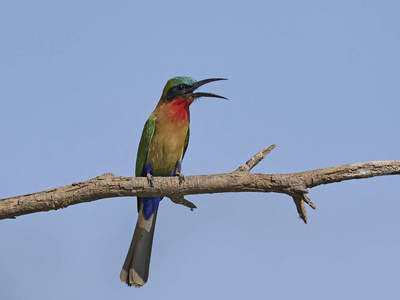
(299, 195)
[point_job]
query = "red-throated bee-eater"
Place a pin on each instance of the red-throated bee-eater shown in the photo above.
(162, 147)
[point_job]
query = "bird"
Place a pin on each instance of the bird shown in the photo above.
(162, 146)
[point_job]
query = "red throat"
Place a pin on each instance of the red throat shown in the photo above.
(179, 109)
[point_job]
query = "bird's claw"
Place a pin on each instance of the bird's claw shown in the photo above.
(150, 179)
(181, 178)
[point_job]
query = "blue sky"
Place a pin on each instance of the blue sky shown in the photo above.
(319, 79)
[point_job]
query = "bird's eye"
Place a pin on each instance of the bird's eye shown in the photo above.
(181, 87)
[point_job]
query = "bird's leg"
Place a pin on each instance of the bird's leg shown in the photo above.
(150, 179)
(181, 177)
(177, 171)
(147, 171)
(178, 199)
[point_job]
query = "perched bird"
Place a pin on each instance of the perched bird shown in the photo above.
(162, 147)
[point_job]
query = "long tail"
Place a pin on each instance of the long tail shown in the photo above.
(135, 270)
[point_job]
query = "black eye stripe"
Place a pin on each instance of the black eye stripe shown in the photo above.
(176, 91)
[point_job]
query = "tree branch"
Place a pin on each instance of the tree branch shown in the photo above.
(109, 185)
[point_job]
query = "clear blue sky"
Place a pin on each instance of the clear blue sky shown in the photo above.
(318, 78)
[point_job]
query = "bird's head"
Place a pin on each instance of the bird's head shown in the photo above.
(182, 87)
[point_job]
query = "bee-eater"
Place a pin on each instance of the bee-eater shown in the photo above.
(162, 147)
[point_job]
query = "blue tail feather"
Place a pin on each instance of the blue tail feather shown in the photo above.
(150, 205)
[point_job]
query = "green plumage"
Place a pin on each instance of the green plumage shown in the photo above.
(144, 144)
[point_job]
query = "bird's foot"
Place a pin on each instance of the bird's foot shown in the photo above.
(181, 177)
(182, 201)
(150, 179)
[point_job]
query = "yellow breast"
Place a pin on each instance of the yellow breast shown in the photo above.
(167, 145)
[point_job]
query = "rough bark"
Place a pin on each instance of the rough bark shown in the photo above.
(108, 185)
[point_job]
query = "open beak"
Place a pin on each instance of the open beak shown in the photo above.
(200, 94)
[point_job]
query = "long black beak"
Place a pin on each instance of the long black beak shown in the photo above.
(203, 82)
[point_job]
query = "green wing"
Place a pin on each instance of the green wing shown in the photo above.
(144, 144)
(186, 143)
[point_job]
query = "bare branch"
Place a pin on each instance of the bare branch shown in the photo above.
(109, 185)
(301, 208)
(252, 162)
(308, 201)
(182, 201)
